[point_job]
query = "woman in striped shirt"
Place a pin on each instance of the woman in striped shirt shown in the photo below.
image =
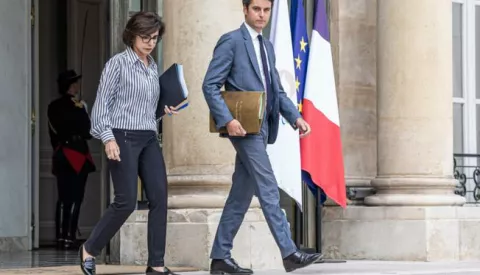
(123, 117)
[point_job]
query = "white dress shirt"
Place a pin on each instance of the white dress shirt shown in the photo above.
(127, 96)
(256, 45)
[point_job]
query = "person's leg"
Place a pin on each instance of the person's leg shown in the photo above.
(71, 179)
(66, 181)
(60, 209)
(236, 206)
(152, 172)
(124, 177)
(253, 154)
(78, 187)
(58, 223)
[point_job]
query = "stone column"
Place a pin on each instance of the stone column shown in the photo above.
(199, 163)
(353, 38)
(415, 138)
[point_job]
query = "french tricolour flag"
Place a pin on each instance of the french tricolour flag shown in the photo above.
(321, 152)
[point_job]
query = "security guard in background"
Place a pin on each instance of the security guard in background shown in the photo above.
(69, 129)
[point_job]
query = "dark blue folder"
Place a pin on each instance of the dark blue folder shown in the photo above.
(173, 90)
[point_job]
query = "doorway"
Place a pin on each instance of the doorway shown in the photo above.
(71, 35)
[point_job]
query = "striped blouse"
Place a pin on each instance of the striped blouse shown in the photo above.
(127, 96)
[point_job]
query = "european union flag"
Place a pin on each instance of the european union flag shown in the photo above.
(298, 25)
(300, 46)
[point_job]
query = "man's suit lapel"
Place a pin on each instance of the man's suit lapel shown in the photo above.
(251, 51)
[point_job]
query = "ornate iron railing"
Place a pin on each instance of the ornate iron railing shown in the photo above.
(466, 169)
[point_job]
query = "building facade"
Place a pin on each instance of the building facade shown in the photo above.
(406, 83)
(401, 66)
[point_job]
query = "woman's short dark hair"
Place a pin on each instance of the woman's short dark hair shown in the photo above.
(142, 23)
(246, 3)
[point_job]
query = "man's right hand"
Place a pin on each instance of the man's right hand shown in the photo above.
(112, 150)
(235, 129)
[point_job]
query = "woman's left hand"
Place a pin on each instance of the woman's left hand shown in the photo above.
(171, 110)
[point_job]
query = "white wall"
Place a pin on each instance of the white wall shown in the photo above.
(15, 91)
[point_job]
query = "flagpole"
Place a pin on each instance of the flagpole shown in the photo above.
(82, 52)
(318, 237)
(298, 226)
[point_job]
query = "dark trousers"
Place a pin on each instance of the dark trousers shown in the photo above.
(71, 190)
(141, 155)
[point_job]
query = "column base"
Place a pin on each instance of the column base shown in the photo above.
(401, 233)
(357, 190)
(200, 191)
(190, 235)
(414, 192)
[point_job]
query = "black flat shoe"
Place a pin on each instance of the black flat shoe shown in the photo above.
(87, 266)
(151, 271)
(300, 259)
(228, 267)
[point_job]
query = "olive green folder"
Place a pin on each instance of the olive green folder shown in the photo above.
(247, 107)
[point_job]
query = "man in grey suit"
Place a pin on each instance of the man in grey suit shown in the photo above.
(244, 61)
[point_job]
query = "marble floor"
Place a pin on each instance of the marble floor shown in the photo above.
(40, 258)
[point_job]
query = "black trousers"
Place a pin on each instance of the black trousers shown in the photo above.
(71, 190)
(141, 155)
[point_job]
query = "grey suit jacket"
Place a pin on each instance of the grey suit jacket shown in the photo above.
(234, 64)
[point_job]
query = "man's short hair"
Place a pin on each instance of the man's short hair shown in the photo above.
(246, 3)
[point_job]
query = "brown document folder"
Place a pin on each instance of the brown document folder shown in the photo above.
(247, 107)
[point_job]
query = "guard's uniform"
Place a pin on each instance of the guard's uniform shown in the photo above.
(69, 128)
